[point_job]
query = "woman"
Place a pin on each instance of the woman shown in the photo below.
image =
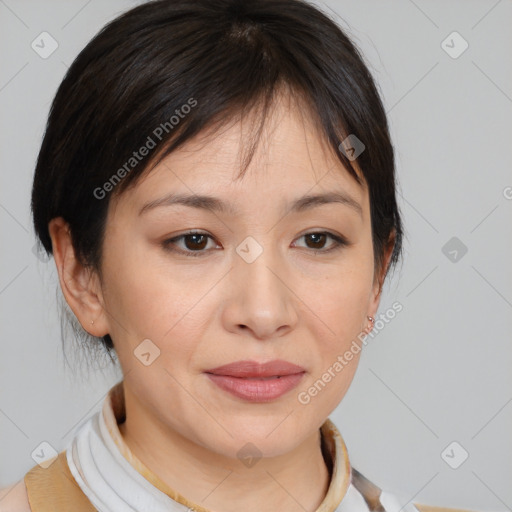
(216, 185)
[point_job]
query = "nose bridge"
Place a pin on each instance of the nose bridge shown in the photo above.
(264, 302)
(256, 265)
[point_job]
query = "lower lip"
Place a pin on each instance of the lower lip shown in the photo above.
(257, 390)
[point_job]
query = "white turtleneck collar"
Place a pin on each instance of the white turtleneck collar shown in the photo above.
(115, 480)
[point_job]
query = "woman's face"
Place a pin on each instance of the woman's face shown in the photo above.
(256, 286)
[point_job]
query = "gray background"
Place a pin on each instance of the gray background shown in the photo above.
(440, 371)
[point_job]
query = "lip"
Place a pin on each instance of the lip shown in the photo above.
(257, 382)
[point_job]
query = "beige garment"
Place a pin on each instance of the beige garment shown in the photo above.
(54, 489)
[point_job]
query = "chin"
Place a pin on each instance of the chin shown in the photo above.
(266, 436)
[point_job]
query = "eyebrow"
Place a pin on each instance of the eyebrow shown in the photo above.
(214, 204)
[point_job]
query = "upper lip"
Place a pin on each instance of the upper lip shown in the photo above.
(249, 369)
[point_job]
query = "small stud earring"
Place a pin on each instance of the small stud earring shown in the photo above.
(92, 321)
(369, 328)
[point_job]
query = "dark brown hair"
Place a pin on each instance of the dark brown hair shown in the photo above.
(228, 56)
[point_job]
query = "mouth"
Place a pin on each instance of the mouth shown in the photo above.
(257, 378)
(257, 382)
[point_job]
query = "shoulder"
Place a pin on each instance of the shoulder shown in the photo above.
(51, 488)
(430, 508)
(14, 498)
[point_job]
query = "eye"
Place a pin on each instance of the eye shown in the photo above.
(317, 240)
(194, 243)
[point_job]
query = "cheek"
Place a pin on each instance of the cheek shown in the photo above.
(336, 327)
(145, 300)
(340, 313)
(337, 305)
(339, 298)
(137, 298)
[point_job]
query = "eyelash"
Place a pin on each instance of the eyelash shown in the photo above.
(339, 243)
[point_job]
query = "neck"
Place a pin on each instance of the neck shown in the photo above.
(291, 482)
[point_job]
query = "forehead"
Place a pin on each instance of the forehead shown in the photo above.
(291, 158)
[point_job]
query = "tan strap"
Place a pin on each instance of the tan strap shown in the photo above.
(432, 508)
(53, 489)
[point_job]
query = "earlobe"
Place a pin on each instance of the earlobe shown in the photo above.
(80, 286)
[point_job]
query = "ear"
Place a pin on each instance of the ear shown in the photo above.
(80, 286)
(379, 278)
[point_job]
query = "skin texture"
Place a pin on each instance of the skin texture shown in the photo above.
(291, 303)
(14, 498)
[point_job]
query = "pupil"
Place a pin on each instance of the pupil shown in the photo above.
(319, 235)
(194, 238)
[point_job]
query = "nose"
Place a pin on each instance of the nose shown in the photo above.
(260, 301)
